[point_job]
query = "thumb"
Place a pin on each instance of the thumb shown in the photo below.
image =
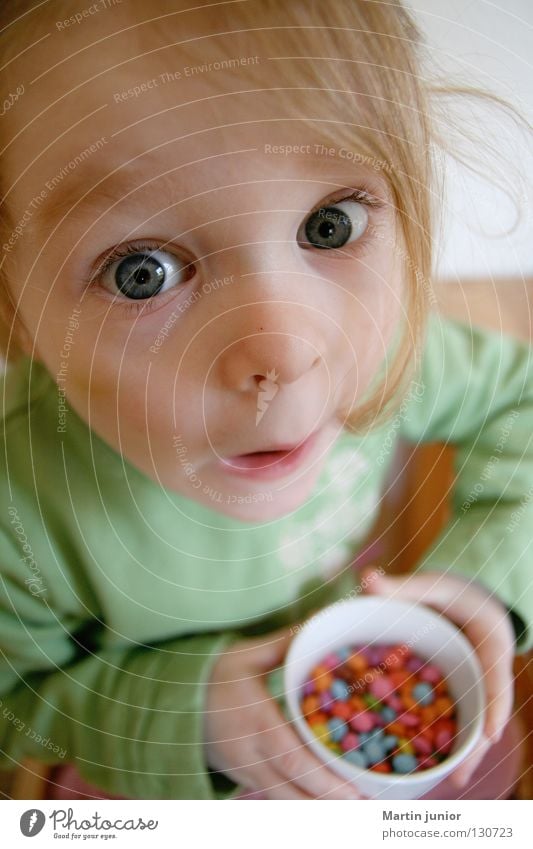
(269, 649)
(375, 580)
(412, 587)
(438, 590)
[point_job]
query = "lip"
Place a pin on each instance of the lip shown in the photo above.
(267, 465)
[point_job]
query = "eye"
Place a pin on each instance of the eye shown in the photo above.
(140, 274)
(335, 225)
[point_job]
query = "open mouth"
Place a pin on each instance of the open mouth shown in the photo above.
(272, 463)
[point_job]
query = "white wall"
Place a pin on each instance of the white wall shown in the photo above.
(490, 44)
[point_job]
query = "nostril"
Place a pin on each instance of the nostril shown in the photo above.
(258, 378)
(271, 376)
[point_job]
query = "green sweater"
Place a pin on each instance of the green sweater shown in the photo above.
(116, 596)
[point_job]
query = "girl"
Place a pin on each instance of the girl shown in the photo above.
(215, 287)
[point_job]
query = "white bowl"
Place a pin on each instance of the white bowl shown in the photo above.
(373, 619)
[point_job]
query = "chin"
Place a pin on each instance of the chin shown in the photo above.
(257, 514)
(261, 512)
(267, 504)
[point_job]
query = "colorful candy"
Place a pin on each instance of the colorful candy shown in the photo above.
(404, 763)
(381, 707)
(339, 690)
(423, 693)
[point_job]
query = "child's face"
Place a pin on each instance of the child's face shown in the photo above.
(167, 361)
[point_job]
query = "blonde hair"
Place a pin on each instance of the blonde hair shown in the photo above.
(370, 70)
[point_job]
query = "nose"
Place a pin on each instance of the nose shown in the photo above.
(281, 356)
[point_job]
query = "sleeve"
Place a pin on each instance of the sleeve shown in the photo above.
(477, 394)
(129, 717)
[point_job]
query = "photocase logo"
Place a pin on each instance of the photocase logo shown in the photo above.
(268, 389)
(32, 822)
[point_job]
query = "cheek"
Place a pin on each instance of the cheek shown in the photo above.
(143, 397)
(103, 377)
(374, 298)
(373, 311)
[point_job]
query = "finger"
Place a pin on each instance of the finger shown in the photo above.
(311, 776)
(441, 591)
(464, 601)
(464, 772)
(266, 651)
(493, 637)
(267, 783)
(291, 758)
(271, 785)
(484, 621)
(497, 665)
(279, 788)
(283, 752)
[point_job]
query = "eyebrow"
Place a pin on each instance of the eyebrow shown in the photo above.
(84, 190)
(75, 199)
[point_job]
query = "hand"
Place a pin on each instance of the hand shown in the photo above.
(248, 738)
(486, 623)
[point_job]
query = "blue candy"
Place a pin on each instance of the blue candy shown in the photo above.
(339, 690)
(388, 714)
(374, 751)
(375, 734)
(423, 693)
(390, 742)
(356, 757)
(404, 763)
(343, 654)
(337, 729)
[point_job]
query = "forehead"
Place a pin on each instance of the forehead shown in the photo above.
(122, 99)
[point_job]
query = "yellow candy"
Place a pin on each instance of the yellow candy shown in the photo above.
(321, 731)
(405, 747)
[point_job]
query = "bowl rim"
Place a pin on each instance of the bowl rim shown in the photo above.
(445, 766)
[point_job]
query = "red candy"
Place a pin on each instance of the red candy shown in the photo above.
(350, 741)
(395, 702)
(342, 710)
(430, 673)
(396, 658)
(381, 687)
(410, 719)
(422, 744)
(363, 721)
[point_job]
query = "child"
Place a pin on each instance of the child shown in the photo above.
(216, 255)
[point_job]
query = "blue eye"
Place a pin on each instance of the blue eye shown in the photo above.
(335, 225)
(140, 274)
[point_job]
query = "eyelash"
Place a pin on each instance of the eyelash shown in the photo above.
(146, 305)
(362, 195)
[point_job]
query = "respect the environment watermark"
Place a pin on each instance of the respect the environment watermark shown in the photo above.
(38, 199)
(186, 72)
